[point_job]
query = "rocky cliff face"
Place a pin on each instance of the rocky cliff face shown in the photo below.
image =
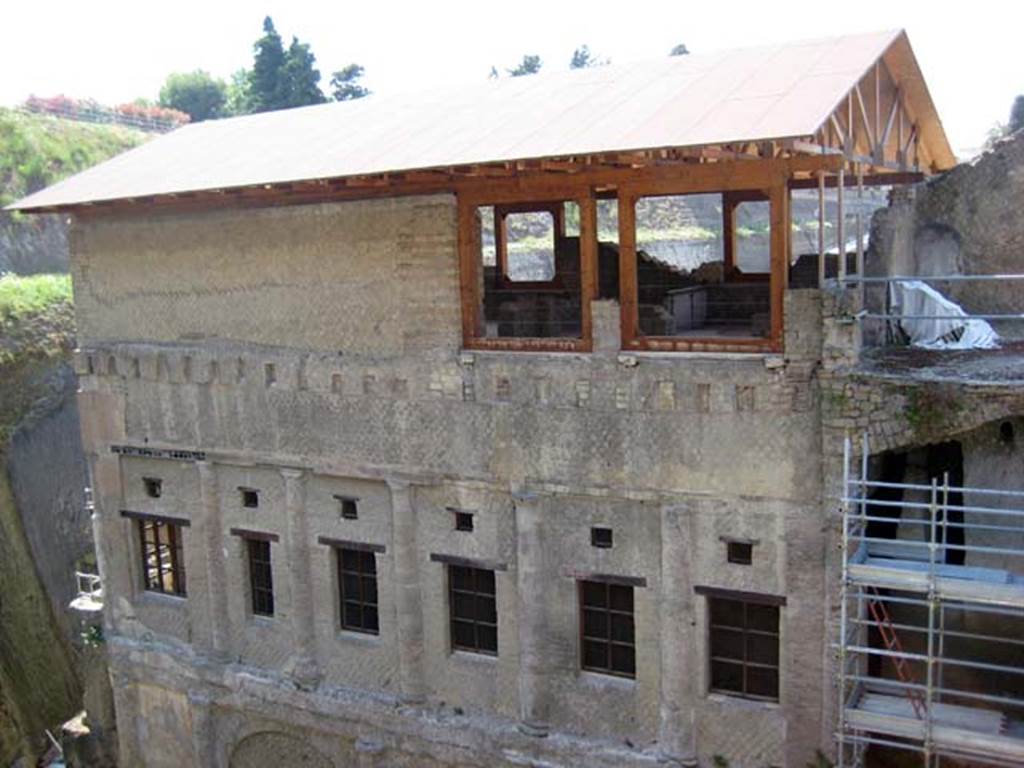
(966, 221)
(43, 533)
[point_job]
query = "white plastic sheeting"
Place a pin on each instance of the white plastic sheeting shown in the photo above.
(932, 321)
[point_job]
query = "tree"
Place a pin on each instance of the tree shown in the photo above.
(281, 79)
(530, 65)
(265, 78)
(300, 78)
(1016, 115)
(197, 94)
(238, 100)
(345, 85)
(679, 50)
(583, 58)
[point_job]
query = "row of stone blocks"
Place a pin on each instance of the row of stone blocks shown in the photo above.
(575, 383)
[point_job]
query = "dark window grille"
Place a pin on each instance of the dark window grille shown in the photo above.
(163, 559)
(349, 508)
(261, 578)
(357, 584)
(473, 609)
(250, 497)
(463, 521)
(601, 538)
(744, 648)
(739, 552)
(154, 487)
(607, 628)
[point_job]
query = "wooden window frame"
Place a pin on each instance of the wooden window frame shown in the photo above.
(362, 567)
(475, 594)
(731, 201)
(261, 575)
(174, 569)
(745, 663)
(511, 199)
(609, 613)
(501, 212)
(754, 183)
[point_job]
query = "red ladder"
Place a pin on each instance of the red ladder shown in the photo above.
(892, 641)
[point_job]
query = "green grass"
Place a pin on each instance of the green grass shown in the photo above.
(38, 150)
(32, 294)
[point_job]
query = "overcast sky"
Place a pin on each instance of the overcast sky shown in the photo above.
(116, 51)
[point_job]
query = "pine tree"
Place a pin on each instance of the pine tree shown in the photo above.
(300, 77)
(582, 58)
(266, 91)
(345, 85)
(530, 65)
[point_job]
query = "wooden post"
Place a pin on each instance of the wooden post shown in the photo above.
(860, 220)
(588, 264)
(821, 229)
(627, 268)
(840, 235)
(779, 198)
(728, 235)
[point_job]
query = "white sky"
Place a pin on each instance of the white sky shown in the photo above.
(115, 51)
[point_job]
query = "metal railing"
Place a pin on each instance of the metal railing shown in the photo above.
(89, 585)
(888, 315)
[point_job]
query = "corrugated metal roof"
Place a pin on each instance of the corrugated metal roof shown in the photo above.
(756, 94)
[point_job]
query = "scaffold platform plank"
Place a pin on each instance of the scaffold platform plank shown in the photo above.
(955, 729)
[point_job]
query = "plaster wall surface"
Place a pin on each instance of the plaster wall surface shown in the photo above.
(313, 352)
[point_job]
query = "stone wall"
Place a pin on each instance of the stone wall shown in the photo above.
(314, 351)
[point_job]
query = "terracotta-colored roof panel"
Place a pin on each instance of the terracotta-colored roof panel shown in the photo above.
(756, 94)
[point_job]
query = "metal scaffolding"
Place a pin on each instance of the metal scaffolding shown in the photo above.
(925, 703)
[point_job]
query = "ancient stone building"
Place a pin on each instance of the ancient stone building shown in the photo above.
(456, 432)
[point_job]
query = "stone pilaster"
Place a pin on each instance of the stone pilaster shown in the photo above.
(533, 656)
(204, 731)
(210, 530)
(676, 726)
(101, 417)
(408, 600)
(303, 666)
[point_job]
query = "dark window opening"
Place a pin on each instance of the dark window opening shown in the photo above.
(349, 507)
(530, 270)
(607, 628)
(163, 559)
(154, 487)
(601, 538)
(357, 588)
(739, 552)
(473, 610)
(744, 648)
(250, 497)
(261, 581)
(463, 521)
(702, 262)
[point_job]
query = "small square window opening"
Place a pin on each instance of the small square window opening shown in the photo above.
(463, 521)
(349, 508)
(154, 487)
(250, 497)
(601, 538)
(739, 552)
